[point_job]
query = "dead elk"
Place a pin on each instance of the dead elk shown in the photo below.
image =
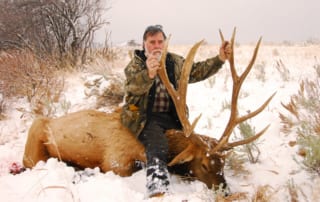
(95, 139)
(86, 138)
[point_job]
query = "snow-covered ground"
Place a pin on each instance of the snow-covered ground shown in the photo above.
(278, 168)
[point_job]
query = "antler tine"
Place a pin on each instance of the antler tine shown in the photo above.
(182, 90)
(234, 119)
(246, 141)
(186, 68)
(226, 145)
(231, 60)
(221, 36)
(257, 111)
(253, 59)
(179, 96)
(163, 72)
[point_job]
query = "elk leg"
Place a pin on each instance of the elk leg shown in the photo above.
(35, 149)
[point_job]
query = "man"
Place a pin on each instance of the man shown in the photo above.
(149, 111)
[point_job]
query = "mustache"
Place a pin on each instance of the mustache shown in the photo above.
(156, 53)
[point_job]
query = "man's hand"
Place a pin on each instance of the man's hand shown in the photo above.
(225, 51)
(153, 63)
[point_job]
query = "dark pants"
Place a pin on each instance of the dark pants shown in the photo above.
(156, 144)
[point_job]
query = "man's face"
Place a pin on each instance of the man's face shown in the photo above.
(154, 43)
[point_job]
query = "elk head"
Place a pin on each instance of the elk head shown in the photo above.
(204, 156)
(189, 156)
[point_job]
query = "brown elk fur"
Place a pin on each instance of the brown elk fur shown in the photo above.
(86, 139)
(190, 156)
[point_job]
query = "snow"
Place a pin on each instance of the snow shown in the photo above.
(278, 166)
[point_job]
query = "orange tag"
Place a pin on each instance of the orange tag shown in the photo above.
(133, 107)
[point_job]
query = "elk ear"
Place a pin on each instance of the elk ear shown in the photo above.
(185, 156)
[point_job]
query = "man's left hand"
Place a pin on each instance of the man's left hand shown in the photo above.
(225, 51)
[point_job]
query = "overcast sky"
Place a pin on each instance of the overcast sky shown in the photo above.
(189, 21)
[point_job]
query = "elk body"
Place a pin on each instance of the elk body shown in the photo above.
(95, 139)
(86, 138)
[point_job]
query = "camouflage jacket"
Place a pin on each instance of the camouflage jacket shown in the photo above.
(140, 89)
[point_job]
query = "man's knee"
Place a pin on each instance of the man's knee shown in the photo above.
(155, 141)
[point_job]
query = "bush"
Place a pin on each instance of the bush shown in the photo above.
(22, 74)
(252, 150)
(304, 120)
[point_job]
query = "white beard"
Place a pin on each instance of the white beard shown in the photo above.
(156, 53)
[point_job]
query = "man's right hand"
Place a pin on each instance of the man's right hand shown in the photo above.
(153, 63)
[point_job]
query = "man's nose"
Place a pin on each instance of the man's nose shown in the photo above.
(158, 45)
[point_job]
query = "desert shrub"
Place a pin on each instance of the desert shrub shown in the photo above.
(283, 70)
(287, 43)
(260, 71)
(296, 194)
(105, 53)
(303, 119)
(104, 83)
(237, 158)
(24, 75)
(275, 52)
(225, 105)
(316, 66)
(251, 149)
(235, 162)
(312, 41)
(108, 90)
(263, 194)
(310, 149)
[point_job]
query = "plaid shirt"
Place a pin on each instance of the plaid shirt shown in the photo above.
(162, 100)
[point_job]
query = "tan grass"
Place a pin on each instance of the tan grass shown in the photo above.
(232, 197)
(263, 194)
(286, 123)
(293, 192)
(283, 70)
(24, 75)
(113, 94)
(236, 163)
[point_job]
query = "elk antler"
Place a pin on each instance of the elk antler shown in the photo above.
(235, 119)
(179, 96)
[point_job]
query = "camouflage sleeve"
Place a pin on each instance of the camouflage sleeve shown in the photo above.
(203, 70)
(137, 79)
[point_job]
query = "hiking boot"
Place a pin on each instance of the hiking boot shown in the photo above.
(157, 178)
